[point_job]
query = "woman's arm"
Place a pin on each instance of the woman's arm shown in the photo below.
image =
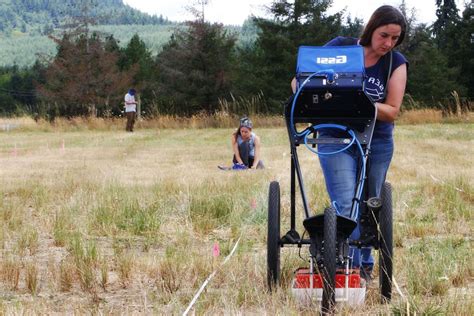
(389, 110)
(293, 85)
(256, 158)
(235, 148)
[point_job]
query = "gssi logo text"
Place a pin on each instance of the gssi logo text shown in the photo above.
(332, 60)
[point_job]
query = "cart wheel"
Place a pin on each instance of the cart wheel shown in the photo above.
(273, 238)
(386, 243)
(329, 259)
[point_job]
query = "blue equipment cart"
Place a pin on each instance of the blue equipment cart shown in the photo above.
(330, 95)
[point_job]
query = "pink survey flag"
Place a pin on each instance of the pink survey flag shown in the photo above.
(253, 203)
(215, 250)
(63, 146)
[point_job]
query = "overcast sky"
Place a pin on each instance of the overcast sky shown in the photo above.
(236, 11)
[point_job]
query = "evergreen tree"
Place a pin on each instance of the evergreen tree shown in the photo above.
(444, 28)
(449, 38)
(7, 102)
(21, 87)
(136, 54)
(194, 67)
(294, 23)
(430, 79)
(17, 91)
(464, 52)
(411, 28)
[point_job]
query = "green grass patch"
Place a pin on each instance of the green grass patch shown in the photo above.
(131, 219)
(434, 265)
(122, 212)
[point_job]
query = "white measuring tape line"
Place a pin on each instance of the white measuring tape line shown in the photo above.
(203, 286)
(398, 289)
(401, 294)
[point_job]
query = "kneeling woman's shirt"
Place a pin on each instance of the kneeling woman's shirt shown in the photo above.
(251, 142)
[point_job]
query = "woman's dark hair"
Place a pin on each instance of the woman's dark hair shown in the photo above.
(384, 15)
(243, 122)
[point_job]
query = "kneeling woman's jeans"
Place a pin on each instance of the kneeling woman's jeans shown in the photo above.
(341, 171)
(244, 152)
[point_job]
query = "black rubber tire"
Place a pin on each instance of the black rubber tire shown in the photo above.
(273, 237)
(386, 244)
(329, 257)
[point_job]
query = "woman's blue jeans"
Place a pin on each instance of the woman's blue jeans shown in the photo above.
(340, 173)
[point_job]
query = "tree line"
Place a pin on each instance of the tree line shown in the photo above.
(201, 69)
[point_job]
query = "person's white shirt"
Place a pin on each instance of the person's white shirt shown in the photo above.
(130, 105)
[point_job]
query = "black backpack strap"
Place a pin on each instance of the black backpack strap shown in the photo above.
(389, 72)
(390, 66)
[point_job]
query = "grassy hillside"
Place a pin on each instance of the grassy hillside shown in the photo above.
(23, 49)
(100, 221)
(25, 24)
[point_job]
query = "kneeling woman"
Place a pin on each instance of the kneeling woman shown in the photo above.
(246, 146)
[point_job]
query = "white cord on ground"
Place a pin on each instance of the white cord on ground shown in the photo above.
(398, 289)
(401, 294)
(203, 286)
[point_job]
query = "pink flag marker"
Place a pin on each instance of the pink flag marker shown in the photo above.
(215, 250)
(63, 146)
(253, 203)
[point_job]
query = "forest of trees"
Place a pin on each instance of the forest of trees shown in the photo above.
(43, 16)
(201, 65)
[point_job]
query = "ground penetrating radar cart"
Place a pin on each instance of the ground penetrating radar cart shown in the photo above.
(330, 96)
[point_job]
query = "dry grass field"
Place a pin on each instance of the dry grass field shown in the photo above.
(96, 220)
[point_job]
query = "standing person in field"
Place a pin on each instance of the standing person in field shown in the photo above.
(386, 77)
(130, 109)
(246, 146)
